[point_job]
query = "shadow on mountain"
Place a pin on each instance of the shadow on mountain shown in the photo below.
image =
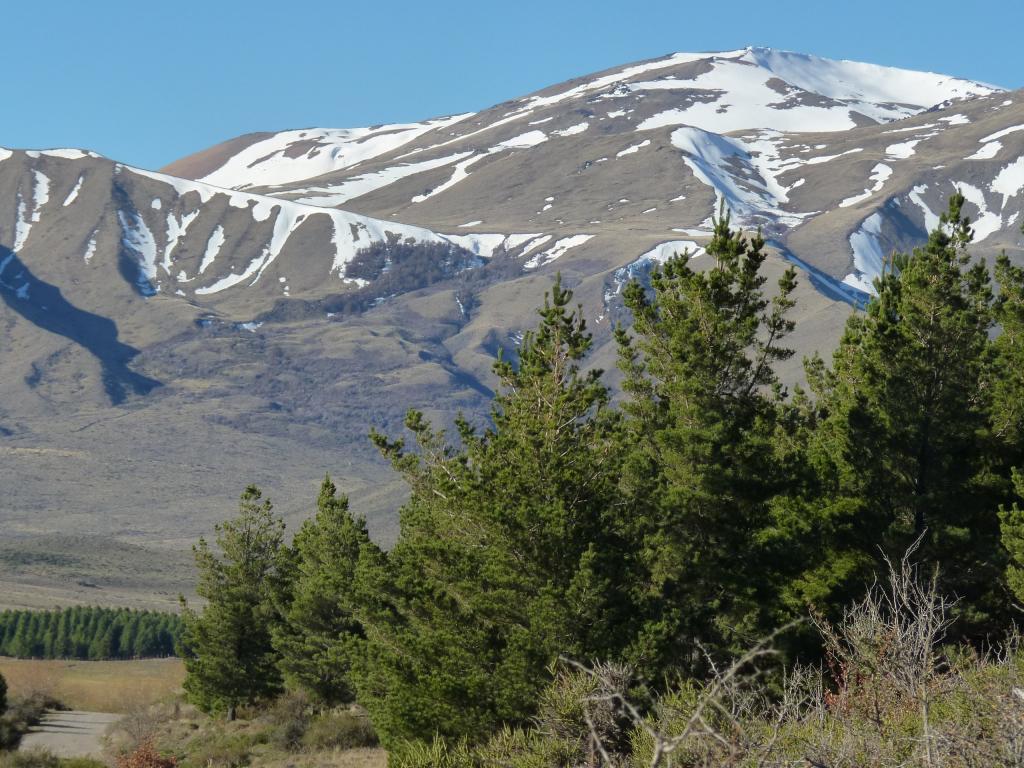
(43, 305)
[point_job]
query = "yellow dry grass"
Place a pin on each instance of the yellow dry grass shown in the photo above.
(96, 686)
(341, 758)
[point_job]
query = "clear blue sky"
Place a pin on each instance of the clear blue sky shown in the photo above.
(149, 81)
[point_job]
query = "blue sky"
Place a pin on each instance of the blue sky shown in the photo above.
(149, 82)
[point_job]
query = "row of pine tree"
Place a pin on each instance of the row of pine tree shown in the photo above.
(670, 531)
(88, 633)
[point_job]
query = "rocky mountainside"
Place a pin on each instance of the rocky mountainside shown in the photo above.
(249, 312)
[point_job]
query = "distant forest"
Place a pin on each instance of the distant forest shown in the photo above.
(88, 633)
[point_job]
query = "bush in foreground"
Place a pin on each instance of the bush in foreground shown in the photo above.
(890, 694)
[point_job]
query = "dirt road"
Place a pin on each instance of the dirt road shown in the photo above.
(70, 734)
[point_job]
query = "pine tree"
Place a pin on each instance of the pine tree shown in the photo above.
(709, 453)
(229, 657)
(509, 551)
(319, 637)
(904, 446)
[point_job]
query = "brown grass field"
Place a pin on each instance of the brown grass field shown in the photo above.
(96, 686)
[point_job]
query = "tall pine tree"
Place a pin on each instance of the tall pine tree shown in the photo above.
(708, 454)
(319, 637)
(904, 447)
(510, 549)
(228, 654)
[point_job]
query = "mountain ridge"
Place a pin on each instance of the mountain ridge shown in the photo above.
(167, 341)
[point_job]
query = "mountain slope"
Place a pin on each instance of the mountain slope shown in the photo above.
(168, 340)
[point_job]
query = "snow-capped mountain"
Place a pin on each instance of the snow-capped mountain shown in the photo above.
(782, 139)
(173, 335)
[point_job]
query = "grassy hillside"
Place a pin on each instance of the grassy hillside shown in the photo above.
(96, 686)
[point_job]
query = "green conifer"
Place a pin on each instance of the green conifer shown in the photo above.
(229, 657)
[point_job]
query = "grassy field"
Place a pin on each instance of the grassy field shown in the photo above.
(96, 686)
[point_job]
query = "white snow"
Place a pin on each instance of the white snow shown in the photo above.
(633, 148)
(868, 256)
(986, 222)
(619, 76)
(481, 245)
(471, 223)
(26, 218)
(523, 140)
(177, 228)
(987, 151)
(931, 219)
(157, 204)
(346, 190)
(534, 243)
(572, 130)
(1010, 180)
(459, 174)
(956, 120)
(73, 194)
(658, 255)
(5, 153)
(879, 175)
(829, 158)
(90, 249)
(514, 241)
(738, 96)
(903, 150)
(316, 152)
(181, 186)
(137, 238)
(40, 192)
(1002, 133)
(744, 174)
(555, 251)
(68, 154)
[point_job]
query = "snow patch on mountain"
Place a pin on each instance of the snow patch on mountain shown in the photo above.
(986, 222)
(879, 175)
(931, 219)
(337, 194)
(213, 246)
(634, 148)
(26, 216)
(1010, 180)
(556, 251)
(987, 152)
(868, 256)
(743, 176)
(292, 156)
(73, 194)
(138, 239)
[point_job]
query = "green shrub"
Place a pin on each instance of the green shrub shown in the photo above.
(339, 730)
(21, 714)
(33, 758)
(288, 717)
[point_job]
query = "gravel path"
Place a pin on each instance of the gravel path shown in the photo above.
(70, 734)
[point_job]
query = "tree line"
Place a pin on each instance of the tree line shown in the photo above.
(88, 633)
(667, 533)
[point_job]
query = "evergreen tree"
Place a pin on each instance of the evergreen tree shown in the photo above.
(709, 453)
(904, 446)
(229, 657)
(319, 638)
(509, 551)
